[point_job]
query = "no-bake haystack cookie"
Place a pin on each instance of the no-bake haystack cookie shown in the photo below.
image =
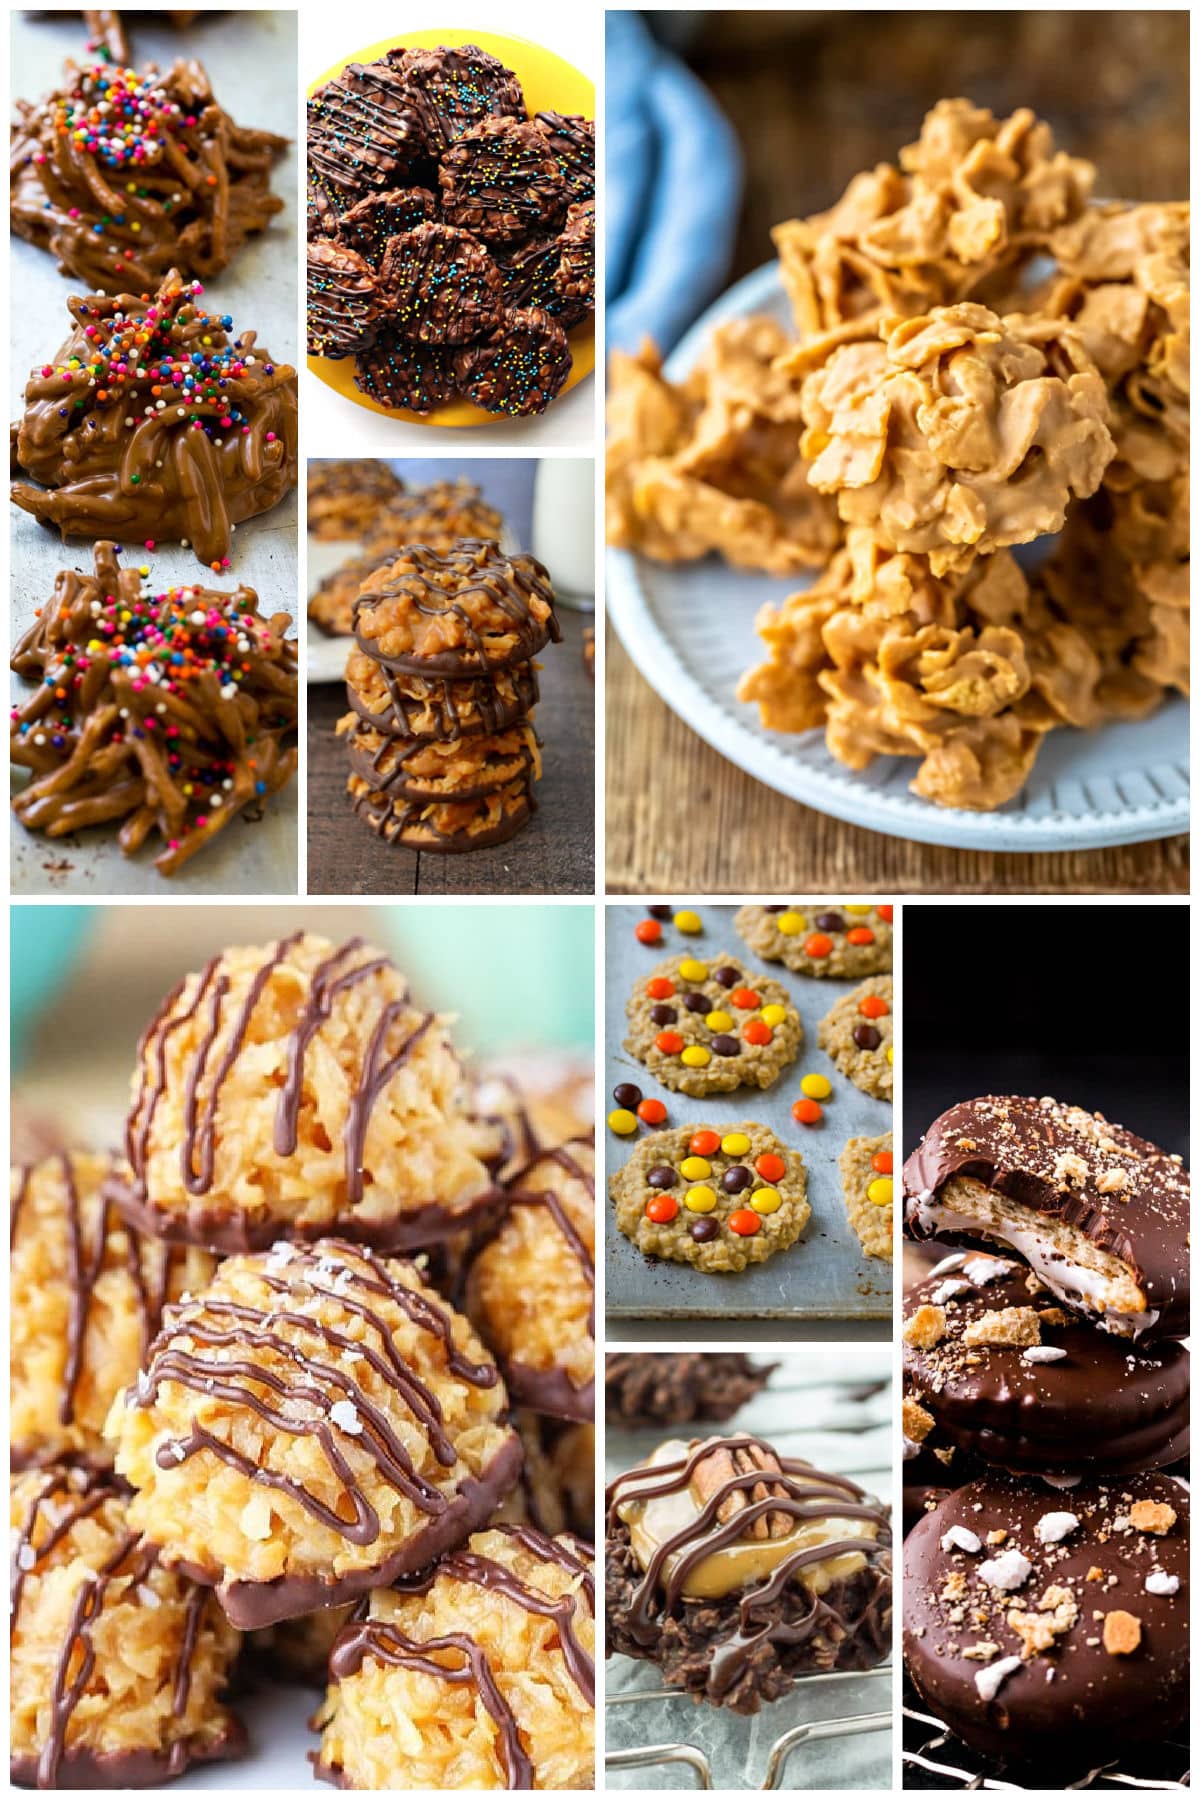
(318, 1422)
(519, 366)
(736, 1571)
(88, 1298)
(125, 174)
(153, 424)
(857, 1033)
(820, 937)
(172, 713)
(680, 1387)
(719, 1200)
(345, 497)
(531, 1283)
(296, 1089)
(479, 1674)
(118, 1664)
(710, 1027)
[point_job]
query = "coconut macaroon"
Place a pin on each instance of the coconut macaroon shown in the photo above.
(531, 1289)
(117, 1663)
(481, 1677)
(289, 1089)
(88, 1293)
(317, 1423)
(557, 1489)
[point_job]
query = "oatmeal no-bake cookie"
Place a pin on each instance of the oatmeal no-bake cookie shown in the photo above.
(118, 1665)
(736, 1571)
(719, 1200)
(857, 1033)
(820, 937)
(318, 1422)
(531, 1286)
(480, 1675)
(291, 1089)
(866, 1165)
(709, 1027)
(88, 1296)
(678, 1388)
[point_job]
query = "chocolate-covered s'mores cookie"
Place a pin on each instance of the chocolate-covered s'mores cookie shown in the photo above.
(1100, 1215)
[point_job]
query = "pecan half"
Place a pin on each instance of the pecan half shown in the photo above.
(722, 1466)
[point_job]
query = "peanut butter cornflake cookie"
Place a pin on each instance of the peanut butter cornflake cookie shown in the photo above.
(294, 1089)
(316, 1424)
(478, 1675)
(707, 1028)
(820, 937)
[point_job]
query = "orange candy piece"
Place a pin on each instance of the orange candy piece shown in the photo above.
(669, 1042)
(745, 999)
(648, 931)
(807, 1112)
(770, 1166)
(705, 1143)
(652, 1112)
(862, 934)
(660, 988)
(885, 912)
(881, 1162)
(662, 1209)
(755, 1032)
(873, 1006)
(745, 1222)
(818, 944)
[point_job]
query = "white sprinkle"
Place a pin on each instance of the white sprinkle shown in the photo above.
(198, 617)
(345, 1416)
(1159, 1582)
(26, 1557)
(176, 1450)
(1040, 1353)
(959, 1538)
(1053, 1527)
(982, 1269)
(1007, 1571)
(989, 1681)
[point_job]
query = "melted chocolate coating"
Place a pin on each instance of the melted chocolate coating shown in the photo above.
(385, 767)
(375, 219)
(364, 133)
(400, 821)
(529, 274)
(518, 369)
(446, 583)
(1012, 1145)
(454, 703)
(681, 1388)
(343, 300)
(452, 89)
(1097, 1702)
(571, 140)
(439, 285)
(1104, 1407)
(403, 373)
(500, 181)
(575, 277)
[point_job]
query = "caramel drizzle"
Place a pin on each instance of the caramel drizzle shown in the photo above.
(385, 1642)
(820, 1496)
(307, 1378)
(198, 1146)
(509, 586)
(130, 1563)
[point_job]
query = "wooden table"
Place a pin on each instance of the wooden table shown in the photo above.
(554, 854)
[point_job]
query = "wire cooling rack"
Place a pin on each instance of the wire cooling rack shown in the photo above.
(647, 1756)
(933, 1758)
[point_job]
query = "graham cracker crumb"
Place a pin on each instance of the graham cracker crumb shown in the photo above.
(926, 1328)
(1122, 1633)
(1012, 1325)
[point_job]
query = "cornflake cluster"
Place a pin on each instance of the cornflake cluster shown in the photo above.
(984, 357)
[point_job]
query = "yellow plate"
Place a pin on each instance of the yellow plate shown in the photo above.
(549, 85)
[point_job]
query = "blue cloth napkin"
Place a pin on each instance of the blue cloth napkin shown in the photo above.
(673, 186)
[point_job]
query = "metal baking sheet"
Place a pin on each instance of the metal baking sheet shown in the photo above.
(847, 1430)
(251, 59)
(826, 1275)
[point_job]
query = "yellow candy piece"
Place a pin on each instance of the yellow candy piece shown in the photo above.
(622, 1121)
(891, 1054)
(879, 1191)
(773, 1015)
(765, 1200)
(689, 922)
(695, 1056)
(695, 1168)
(791, 923)
(856, 909)
(700, 1199)
(736, 1144)
(691, 970)
(719, 1021)
(817, 1087)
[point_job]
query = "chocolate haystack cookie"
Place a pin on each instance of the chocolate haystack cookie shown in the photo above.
(529, 277)
(679, 1388)
(342, 300)
(180, 752)
(113, 459)
(125, 174)
(439, 286)
(374, 220)
(400, 372)
(519, 368)
(572, 143)
(737, 1572)
(500, 181)
(466, 612)
(453, 89)
(1101, 1216)
(1051, 1629)
(575, 277)
(363, 133)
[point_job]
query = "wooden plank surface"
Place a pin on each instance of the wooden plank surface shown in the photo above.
(554, 854)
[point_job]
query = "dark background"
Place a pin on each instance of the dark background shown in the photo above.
(815, 97)
(1089, 1004)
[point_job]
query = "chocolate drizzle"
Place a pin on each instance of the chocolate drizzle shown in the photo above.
(396, 819)
(474, 570)
(458, 708)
